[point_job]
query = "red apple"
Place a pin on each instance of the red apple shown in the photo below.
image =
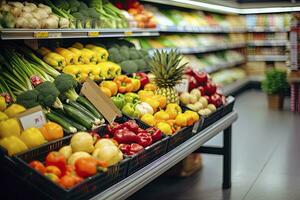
(201, 89)
(210, 88)
(216, 100)
(189, 71)
(192, 82)
(201, 77)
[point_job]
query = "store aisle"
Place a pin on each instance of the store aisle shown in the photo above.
(265, 163)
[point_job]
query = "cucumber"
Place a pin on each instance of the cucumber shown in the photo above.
(78, 116)
(85, 111)
(62, 114)
(66, 125)
(83, 101)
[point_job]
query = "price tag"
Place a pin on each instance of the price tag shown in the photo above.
(93, 34)
(43, 34)
(183, 86)
(55, 35)
(33, 117)
(128, 33)
(196, 126)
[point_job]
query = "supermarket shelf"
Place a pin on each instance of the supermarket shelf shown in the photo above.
(195, 29)
(267, 58)
(203, 49)
(136, 181)
(235, 86)
(224, 65)
(267, 29)
(268, 43)
(15, 34)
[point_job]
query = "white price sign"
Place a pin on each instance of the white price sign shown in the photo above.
(183, 86)
(33, 117)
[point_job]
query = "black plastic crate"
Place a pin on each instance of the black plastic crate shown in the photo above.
(149, 154)
(228, 107)
(180, 137)
(212, 118)
(89, 187)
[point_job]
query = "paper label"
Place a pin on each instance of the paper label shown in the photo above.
(128, 33)
(55, 35)
(33, 117)
(93, 34)
(43, 34)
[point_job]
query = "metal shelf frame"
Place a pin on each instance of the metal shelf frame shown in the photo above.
(17, 34)
(272, 43)
(267, 58)
(136, 181)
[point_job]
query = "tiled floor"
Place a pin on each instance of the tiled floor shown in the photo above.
(265, 160)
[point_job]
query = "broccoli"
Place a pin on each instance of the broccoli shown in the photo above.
(124, 53)
(48, 95)
(66, 86)
(125, 47)
(62, 4)
(129, 66)
(142, 66)
(83, 6)
(133, 54)
(93, 13)
(116, 57)
(143, 52)
(85, 13)
(113, 50)
(74, 4)
(78, 15)
(28, 99)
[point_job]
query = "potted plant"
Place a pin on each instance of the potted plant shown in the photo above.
(275, 85)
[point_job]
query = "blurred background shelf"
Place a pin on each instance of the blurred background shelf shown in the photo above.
(267, 58)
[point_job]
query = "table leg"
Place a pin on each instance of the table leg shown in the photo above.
(227, 158)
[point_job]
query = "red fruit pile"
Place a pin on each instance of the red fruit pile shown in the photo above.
(131, 138)
(208, 89)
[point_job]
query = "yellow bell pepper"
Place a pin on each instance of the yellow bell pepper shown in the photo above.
(109, 69)
(89, 57)
(14, 109)
(2, 103)
(13, 145)
(43, 51)
(67, 54)
(10, 127)
(86, 72)
(55, 60)
(78, 45)
(3, 116)
(32, 137)
(101, 53)
(96, 71)
(78, 54)
(73, 70)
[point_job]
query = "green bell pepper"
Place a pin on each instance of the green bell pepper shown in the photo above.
(131, 97)
(119, 101)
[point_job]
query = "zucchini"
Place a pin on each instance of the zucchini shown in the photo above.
(78, 116)
(66, 125)
(83, 101)
(62, 114)
(85, 111)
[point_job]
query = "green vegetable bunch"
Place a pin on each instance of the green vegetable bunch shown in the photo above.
(275, 82)
(130, 59)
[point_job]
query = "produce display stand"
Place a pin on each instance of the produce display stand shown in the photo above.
(139, 179)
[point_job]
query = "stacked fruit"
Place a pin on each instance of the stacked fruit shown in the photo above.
(131, 138)
(16, 140)
(206, 87)
(82, 62)
(143, 17)
(83, 158)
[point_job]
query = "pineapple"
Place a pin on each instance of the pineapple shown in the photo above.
(168, 72)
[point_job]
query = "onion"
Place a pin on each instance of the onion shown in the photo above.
(5, 7)
(26, 15)
(32, 5)
(34, 23)
(16, 11)
(22, 22)
(53, 16)
(27, 9)
(39, 13)
(64, 23)
(16, 4)
(50, 23)
(45, 8)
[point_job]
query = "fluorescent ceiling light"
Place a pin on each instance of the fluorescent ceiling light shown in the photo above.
(226, 9)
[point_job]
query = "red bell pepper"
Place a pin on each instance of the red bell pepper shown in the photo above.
(131, 149)
(123, 136)
(131, 125)
(155, 133)
(57, 159)
(38, 166)
(143, 78)
(113, 127)
(144, 139)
